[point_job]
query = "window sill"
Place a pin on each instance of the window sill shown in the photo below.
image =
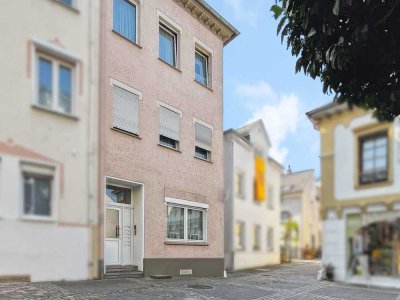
(204, 86)
(183, 243)
(38, 219)
(126, 39)
(45, 109)
(71, 8)
(169, 65)
(166, 147)
(202, 159)
(126, 132)
(372, 185)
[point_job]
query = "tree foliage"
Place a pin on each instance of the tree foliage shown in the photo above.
(353, 46)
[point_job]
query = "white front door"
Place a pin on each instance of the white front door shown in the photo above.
(119, 236)
(113, 236)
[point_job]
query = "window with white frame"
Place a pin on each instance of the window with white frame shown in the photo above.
(202, 73)
(240, 236)
(37, 195)
(55, 84)
(125, 19)
(203, 141)
(169, 127)
(256, 237)
(168, 45)
(240, 185)
(125, 110)
(185, 223)
(270, 239)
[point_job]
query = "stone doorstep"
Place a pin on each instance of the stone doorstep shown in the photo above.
(15, 278)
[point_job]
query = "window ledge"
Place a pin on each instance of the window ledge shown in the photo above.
(126, 39)
(183, 243)
(126, 132)
(38, 219)
(202, 159)
(204, 86)
(163, 146)
(169, 65)
(71, 8)
(372, 185)
(42, 108)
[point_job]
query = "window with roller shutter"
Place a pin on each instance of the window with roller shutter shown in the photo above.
(169, 127)
(125, 110)
(203, 142)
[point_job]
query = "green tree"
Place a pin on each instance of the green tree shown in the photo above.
(353, 46)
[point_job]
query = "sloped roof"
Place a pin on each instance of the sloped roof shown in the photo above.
(296, 182)
(244, 130)
(324, 111)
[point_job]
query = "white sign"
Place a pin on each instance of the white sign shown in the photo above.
(185, 272)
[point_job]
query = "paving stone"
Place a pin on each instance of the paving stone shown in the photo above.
(291, 281)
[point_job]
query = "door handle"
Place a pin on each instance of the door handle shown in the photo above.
(117, 232)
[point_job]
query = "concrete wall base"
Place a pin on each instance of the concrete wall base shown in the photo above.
(200, 267)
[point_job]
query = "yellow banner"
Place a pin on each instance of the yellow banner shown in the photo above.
(259, 184)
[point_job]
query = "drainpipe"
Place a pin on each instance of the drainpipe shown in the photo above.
(100, 185)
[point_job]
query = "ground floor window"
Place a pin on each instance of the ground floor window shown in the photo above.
(270, 239)
(240, 238)
(37, 195)
(186, 223)
(256, 237)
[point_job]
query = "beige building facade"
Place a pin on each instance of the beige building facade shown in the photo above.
(48, 139)
(300, 217)
(360, 200)
(161, 137)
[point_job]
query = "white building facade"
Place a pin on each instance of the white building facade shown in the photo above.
(252, 199)
(48, 139)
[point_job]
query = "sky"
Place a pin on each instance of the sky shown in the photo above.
(260, 83)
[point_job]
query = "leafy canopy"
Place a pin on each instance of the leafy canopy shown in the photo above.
(353, 46)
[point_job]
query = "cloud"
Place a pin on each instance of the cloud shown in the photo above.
(281, 114)
(241, 11)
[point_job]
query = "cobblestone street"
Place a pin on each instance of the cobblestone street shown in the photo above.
(294, 281)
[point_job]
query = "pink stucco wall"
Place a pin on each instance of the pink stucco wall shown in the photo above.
(165, 172)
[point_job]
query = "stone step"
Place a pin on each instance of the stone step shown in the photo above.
(110, 269)
(121, 275)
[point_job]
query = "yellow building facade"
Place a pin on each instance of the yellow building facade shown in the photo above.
(360, 194)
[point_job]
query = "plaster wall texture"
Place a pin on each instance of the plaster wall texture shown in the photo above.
(165, 172)
(33, 246)
(239, 158)
(345, 164)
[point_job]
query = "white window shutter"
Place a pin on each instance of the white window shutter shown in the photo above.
(203, 137)
(169, 123)
(125, 110)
